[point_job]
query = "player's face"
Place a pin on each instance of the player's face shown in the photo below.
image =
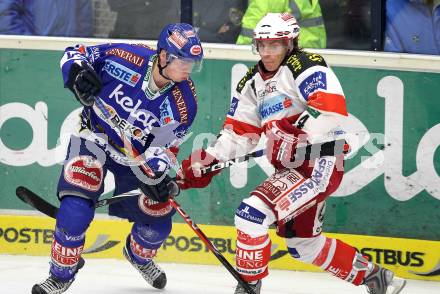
(176, 74)
(272, 52)
(179, 69)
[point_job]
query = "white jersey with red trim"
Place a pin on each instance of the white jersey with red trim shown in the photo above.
(303, 89)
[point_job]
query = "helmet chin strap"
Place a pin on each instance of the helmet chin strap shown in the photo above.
(161, 68)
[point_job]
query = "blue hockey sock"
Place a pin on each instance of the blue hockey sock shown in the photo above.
(73, 219)
(145, 240)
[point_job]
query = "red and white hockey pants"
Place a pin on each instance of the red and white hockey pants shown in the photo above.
(294, 200)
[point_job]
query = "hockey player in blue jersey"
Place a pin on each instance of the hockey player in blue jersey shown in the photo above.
(133, 94)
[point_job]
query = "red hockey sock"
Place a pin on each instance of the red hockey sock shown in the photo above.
(252, 256)
(337, 258)
(139, 252)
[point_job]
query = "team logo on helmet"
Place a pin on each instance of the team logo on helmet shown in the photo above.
(277, 26)
(281, 34)
(286, 16)
(195, 50)
(177, 39)
(189, 33)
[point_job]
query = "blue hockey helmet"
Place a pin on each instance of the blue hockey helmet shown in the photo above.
(181, 41)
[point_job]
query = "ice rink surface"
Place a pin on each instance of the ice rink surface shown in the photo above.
(111, 276)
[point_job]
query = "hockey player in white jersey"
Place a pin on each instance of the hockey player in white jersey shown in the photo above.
(292, 97)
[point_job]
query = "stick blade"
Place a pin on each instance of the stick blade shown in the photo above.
(29, 197)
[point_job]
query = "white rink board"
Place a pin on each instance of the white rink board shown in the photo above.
(346, 58)
(110, 276)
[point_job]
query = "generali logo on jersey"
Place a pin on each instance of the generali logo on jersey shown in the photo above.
(126, 55)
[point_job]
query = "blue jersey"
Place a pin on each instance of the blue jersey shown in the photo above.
(125, 103)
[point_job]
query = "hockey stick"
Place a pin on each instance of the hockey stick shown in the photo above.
(307, 152)
(211, 246)
(51, 210)
(37, 202)
(48, 209)
(27, 196)
(135, 154)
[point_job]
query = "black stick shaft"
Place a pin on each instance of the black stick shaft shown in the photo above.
(211, 246)
(50, 210)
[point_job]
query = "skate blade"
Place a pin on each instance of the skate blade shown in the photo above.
(396, 286)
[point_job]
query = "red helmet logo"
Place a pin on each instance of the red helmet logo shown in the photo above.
(195, 50)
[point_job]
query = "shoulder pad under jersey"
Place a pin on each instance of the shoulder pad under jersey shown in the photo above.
(250, 73)
(302, 60)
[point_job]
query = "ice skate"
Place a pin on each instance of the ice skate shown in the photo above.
(382, 281)
(151, 272)
(54, 286)
(256, 287)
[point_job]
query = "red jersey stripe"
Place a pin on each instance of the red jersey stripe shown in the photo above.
(241, 128)
(328, 102)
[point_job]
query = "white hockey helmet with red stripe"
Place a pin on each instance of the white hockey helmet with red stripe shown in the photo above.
(277, 26)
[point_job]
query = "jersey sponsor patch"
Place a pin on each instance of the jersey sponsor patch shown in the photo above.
(65, 256)
(314, 82)
(269, 87)
(116, 122)
(181, 105)
(323, 171)
(250, 262)
(249, 213)
(122, 73)
(273, 187)
(274, 105)
(140, 251)
(126, 55)
(233, 107)
(318, 182)
(92, 52)
(134, 108)
(268, 189)
(166, 113)
(84, 172)
(252, 255)
(308, 186)
(152, 207)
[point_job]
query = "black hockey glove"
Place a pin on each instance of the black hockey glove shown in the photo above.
(84, 82)
(160, 192)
